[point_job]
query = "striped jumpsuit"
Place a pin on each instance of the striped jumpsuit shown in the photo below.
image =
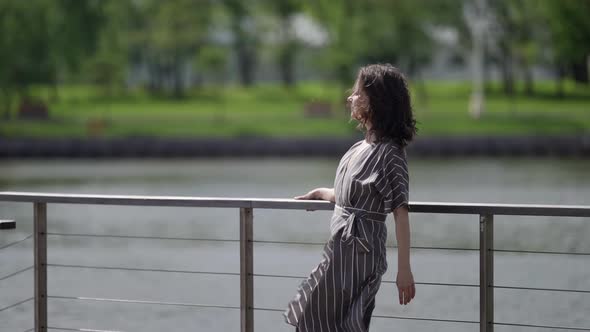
(339, 295)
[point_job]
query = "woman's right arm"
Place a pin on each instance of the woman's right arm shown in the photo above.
(326, 194)
(404, 279)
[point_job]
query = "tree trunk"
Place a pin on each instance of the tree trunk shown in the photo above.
(343, 73)
(415, 75)
(246, 63)
(176, 71)
(53, 95)
(245, 54)
(529, 83)
(155, 75)
(507, 72)
(150, 79)
(476, 101)
(487, 82)
(559, 92)
(160, 78)
(7, 103)
(286, 68)
(421, 92)
(579, 72)
(287, 53)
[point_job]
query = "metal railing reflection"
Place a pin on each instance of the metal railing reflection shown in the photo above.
(246, 274)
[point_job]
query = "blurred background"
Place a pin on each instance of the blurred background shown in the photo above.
(242, 68)
(216, 84)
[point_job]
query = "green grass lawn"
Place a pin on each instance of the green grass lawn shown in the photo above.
(271, 110)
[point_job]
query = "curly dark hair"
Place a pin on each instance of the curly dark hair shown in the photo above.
(384, 101)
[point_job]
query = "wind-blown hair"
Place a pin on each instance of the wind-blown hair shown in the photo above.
(384, 100)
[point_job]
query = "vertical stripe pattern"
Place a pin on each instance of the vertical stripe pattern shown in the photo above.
(339, 294)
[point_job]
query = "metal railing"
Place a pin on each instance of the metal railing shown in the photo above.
(486, 250)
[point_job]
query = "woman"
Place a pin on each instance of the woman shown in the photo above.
(371, 181)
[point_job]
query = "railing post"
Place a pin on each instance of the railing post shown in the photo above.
(40, 247)
(486, 272)
(246, 270)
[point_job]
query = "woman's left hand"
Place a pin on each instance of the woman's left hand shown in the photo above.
(405, 286)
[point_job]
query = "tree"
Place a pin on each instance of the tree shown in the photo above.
(401, 32)
(381, 31)
(167, 36)
(570, 31)
(478, 21)
(345, 43)
(398, 32)
(245, 39)
(107, 65)
(75, 27)
(288, 44)
(40, 38)
(518, 25)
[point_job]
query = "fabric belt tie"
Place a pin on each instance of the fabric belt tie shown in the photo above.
(351, 231)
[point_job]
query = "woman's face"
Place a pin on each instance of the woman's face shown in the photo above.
(352, 102)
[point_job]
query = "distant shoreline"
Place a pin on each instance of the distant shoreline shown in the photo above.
(153, 147)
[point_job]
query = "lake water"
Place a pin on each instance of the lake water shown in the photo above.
(542, 181)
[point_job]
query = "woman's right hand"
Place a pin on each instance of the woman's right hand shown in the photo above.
(326, 194)
(405, 286)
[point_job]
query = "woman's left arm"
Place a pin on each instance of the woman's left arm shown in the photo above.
(404, 279)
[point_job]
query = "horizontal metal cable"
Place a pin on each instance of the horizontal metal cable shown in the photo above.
(384, 281)
(390, 317)
(176, 304)
(140, 269)
(278, 276)
(428, 319)
(29, 330)
(142, 237)
(544, 252)
(16, 304)
(16, 242)
(545, 289)
(17, 272)
(291, 242)
(434, 284)
(268, 309)
(82, 330)
(323, 243)
(544, 326)
(438, 248)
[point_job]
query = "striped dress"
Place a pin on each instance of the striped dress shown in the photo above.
(339, 295)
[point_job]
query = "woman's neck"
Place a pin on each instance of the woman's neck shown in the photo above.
(370, 136)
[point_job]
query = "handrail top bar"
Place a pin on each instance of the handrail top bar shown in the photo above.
(287, 203)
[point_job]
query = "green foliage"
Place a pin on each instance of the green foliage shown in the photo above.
(569, 26)
(264, 110)
(346, 41)
(102, 41)
(245, 36)
(211, 59)
(362, 32)
(570, 31)
(106, 66)
(39, 39)
(287, 46)
(397, 32)
(24, 43)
